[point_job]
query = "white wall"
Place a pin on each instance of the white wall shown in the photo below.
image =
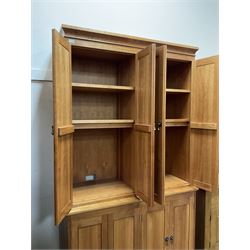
(193, 22)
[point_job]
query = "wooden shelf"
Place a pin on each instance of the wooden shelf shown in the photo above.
(177, 91)
(177, 122)
(175, 185)
(100, 87)
(95, 124)
(96, 193)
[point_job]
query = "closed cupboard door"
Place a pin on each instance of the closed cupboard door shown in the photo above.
(155, 230)
(180, 222)
(204, 124)
(123, 229)
(144, 123)
(89, 233)
(63, 128)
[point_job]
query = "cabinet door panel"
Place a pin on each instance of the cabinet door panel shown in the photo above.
(180, 215)
(90, 237)
(160, 115)
(180, 221)
(88, 233)
(124, 233)
(123, 228)
(62, 99)
(155, 229)
(204, 124)
(144, 123)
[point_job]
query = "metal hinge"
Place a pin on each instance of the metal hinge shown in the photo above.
(210, 218)
(158, 126)
(52, 130)
(138, 197)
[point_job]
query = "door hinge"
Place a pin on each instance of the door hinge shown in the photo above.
(137, 197)
(210, 218)
(158, 126)
(52, 130)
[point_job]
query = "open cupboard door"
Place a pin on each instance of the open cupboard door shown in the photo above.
(144, 123)
(63, 128)
(160, 115)
(204, 124)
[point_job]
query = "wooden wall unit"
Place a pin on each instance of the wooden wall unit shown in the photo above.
(135, 136)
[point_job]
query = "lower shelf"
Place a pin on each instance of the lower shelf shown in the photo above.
(175, 185)
(98, 193)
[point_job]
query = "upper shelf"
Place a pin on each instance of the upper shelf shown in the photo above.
(95, 124)
(177, 122)
(100, 87)
(177, 91)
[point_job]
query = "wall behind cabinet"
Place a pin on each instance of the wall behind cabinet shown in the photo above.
(183, 21)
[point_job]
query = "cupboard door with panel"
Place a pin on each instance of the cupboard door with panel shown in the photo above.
(204, 124)
(88, 232)
(144, 123)
(180, 221)
(160, 132)
(123, 228)
(155, 229)
(63, 128)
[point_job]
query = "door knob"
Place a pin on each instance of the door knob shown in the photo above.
(167, 238)
(171, 238)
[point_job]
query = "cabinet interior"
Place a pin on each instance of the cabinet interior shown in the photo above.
(177, 152)
(103, 116)
(178, 74)
(177, 122)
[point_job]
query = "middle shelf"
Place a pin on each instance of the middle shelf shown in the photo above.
(101, 87)
(177, 122)
(95, 124)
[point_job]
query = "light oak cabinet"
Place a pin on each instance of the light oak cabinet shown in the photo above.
(135, 122)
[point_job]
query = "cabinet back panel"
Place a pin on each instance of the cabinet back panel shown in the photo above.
(177, 152)
(177, 106)
(178, 74)
(95, 152)
(127, 159)
(89, 70)
(94, 106)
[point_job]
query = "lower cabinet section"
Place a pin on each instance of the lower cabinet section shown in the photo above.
(116, 228)
(180, 221)
(134, 226)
